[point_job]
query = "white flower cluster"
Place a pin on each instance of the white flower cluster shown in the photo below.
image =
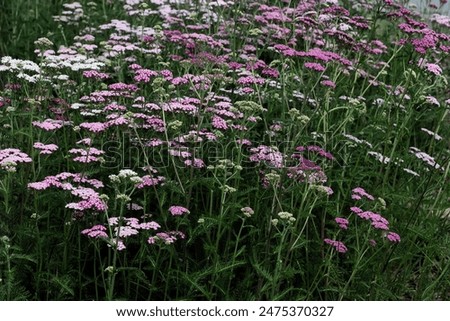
(379, 157)
(72, 60)
(286, 216)
(126, 175)
(22, 68)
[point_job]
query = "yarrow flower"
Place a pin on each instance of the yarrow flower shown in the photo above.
(86, 155)
(378, 222)
(166, 237)
(328, 83)
(61, 181)
(219, 123)
(124, 228)
(432, 101)
(433, 68)
(429, 132)
(249, 80)
(94, 127)
(144, 75)
(9, 158)
(356, 209)
(247, 211)
(393, 237)
(125, 231)
(379, 157)
(424, 157)
(286, 216)
(410, 171)
(90, 199)
(359, 192)
(95, 74)
(316, 149)
(178, 210)
(196, 163)
(150, 180)
(314, 66)
(267, 154)
(342, 222)
(45, 149)
(48, 124)
(338, 245)
(97, 231)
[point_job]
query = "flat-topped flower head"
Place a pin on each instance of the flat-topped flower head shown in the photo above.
(94, 127)
(359, 192)
(176, 210)
(393, 237)
(338, 245)
(96, 231)
(48, 124)
(45, 149)
(342, 222)
(247, 211)
(9, 158)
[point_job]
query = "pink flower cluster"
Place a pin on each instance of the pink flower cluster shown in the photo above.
(144, 75)
(393, 237)
(121, 228)
(45, 149)
(90, 199)
(307, 171)
(433, 68)
(88, 155)
(180, 106)
(150, 180)
(95, 74)
(359, 192)
(328, 83)
(195, 163)
(324, 56)
(9, 158)
(314, 66)
(268, 155)
(94, 127)
(48, 124)
(123, 87)
(166, 237)
(342, 222)
(61, 181)
(96, 231)
(316, 149)
(219, 123)
(338, 245)
(251, 80)
(377, 221)
(176, 210)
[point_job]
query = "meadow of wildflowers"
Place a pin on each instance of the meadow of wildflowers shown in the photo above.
(224, 150)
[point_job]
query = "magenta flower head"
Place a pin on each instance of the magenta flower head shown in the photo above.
(393, 237)
(342, 222)
(314, 66)
(45, 149)
(338, 245)
(96, 231)
(178, 210)
(9, 158)
(359, 192)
